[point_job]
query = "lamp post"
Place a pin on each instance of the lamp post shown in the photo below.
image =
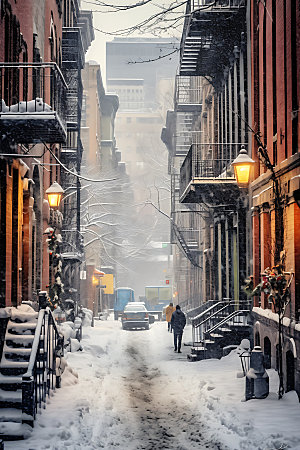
(278, 290)
(96, 282)
(54, 193)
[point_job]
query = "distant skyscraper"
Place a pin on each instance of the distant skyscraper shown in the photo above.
(145, 91)
(136, 82)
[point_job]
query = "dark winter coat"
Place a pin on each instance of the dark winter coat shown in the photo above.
(178, 321)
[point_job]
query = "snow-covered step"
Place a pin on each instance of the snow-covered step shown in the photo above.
(10, 415)
(11, 429)
(11, 399)
(7, 379)
(11, 396)
(216, 335)
(21, 327)
(23, 339)
(7, 364)
(24, 317)
(16, 351)
(225, 330)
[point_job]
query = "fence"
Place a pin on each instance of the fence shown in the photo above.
(42, 375)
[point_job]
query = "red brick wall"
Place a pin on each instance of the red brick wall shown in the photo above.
(263, 14)
(21, 13)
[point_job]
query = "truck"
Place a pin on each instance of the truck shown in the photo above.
(157, 298)
(123, 295)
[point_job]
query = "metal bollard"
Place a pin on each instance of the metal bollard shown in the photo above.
(257, 379)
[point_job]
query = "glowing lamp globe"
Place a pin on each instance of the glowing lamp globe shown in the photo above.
(242, 168)
(54, 193)
(95, 281)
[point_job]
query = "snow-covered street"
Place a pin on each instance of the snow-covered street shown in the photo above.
(134, 392)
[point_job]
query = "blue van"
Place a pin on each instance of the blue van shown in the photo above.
(123, 295)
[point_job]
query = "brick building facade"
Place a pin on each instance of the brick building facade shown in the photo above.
(36, 120)
(275, 53)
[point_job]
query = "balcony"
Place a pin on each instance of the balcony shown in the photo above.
(209, 181)
(211, 30)
(32, 107)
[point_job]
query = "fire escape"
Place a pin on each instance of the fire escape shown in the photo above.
(32, 105)
(73, 52)
(209, 133)
(207, 49)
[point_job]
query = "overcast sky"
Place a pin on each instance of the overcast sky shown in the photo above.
(110, 22)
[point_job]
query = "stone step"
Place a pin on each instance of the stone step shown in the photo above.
(27, 328)
(10, 415)
(24, 340)
(11, 396)
(6, 379)
(13, 369)
(23, 317)
(10, 431)
(16, 351)
(7, 364)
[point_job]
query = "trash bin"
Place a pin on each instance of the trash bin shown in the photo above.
(257, 379)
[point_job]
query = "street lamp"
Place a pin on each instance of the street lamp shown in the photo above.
(54, 193)
(95, 280)
(242, 167)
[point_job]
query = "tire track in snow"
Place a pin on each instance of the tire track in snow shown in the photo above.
(161, 421)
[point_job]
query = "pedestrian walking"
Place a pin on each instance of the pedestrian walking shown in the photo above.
(169, 311)
(178, 322)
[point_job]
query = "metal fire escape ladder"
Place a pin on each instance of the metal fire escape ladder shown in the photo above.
(184, 246)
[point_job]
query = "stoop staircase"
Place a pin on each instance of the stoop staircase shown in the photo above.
(14, 363)
(219, 325)
(27, 369)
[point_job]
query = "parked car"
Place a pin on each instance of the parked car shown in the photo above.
(135, 315)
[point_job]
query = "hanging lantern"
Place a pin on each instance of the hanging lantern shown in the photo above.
(242, 168)
(54, 193)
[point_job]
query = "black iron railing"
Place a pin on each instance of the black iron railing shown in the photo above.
(32, 88)
(42, 375)
(192, 313)
(205, 160)
(216, 315)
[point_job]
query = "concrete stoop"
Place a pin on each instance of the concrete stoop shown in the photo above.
(14, 363)
(212, 346)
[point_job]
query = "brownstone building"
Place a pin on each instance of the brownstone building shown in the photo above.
(41, 97)
(31, 81)
(275, 55)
